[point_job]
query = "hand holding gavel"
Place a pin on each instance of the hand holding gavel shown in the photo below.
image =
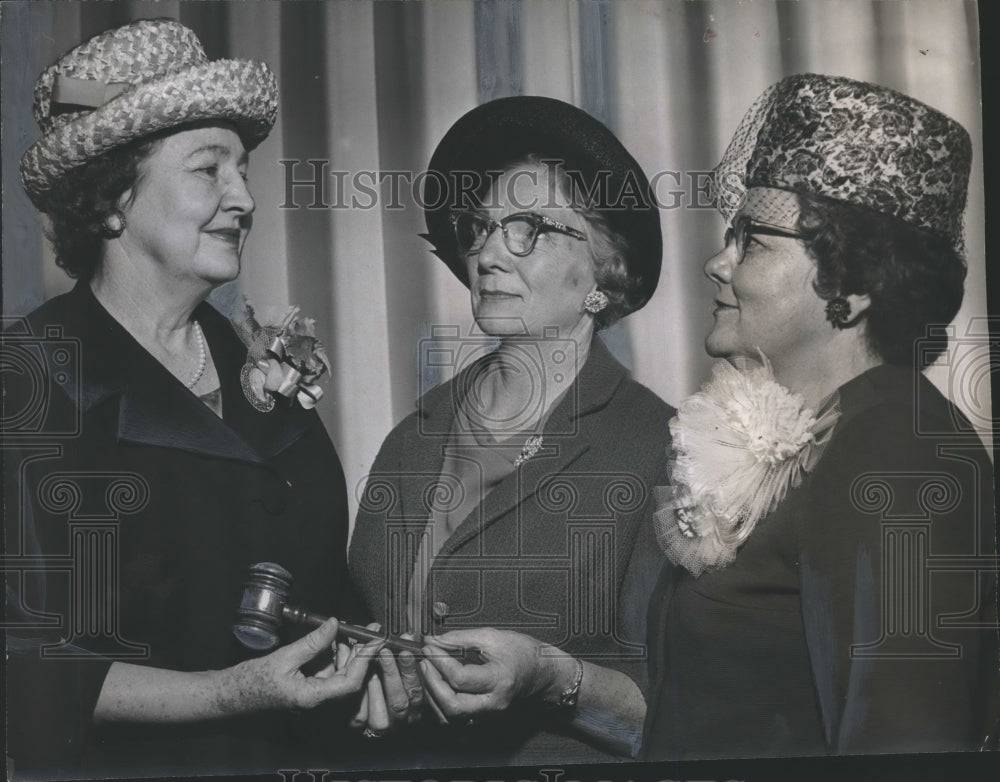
(264, 607)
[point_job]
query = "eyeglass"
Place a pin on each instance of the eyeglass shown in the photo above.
(520, 231)
(746, 227)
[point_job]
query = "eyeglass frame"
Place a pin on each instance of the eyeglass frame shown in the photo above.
(537, 220)
(750, 226)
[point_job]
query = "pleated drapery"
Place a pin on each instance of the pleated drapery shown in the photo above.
(368, 87)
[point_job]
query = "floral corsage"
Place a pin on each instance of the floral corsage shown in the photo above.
(738, 445)
(284, 359)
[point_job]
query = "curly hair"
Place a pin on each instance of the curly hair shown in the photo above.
(82, 200)
(915, 278)
(610, 252)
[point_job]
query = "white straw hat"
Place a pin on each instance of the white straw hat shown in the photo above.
(134, 80)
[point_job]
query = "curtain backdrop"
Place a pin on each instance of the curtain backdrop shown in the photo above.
(369, 87)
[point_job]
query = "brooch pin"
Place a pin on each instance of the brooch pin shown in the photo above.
(531, 446)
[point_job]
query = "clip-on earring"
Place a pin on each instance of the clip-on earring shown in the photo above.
(595, 301)
(114, 224)
(838, 312)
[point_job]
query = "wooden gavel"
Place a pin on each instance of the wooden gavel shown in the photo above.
(264, 606)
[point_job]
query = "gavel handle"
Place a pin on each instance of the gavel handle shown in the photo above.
(300, 616)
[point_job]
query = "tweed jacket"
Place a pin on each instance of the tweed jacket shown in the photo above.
(145, 510)
(561, 549)
(860, 616)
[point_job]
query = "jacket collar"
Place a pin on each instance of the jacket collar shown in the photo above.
(154, 408)
(595, 385)
(565, 440)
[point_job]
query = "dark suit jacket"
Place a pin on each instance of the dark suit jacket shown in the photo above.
(146, 510)
(860, 616)
(562, 549)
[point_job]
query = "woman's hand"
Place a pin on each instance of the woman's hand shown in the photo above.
(276, 681)
(393, 696)
(138, 693)
(608, 708)
(517, 668)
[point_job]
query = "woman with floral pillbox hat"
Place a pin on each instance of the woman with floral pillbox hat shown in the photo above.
(174, 462)
(831, 514)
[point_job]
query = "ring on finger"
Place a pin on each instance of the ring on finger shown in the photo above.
(372, 733)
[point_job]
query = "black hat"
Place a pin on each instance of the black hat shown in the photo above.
(495, 133)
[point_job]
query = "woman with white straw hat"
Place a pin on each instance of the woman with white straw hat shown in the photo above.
(124, 661)
(831, 514)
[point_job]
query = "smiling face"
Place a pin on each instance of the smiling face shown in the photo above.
(766, 300)
(190, 210)
(523, 296)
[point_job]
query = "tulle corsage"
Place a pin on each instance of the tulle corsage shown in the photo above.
(738, 445)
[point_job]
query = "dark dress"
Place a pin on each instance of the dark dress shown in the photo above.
(560, 549)
(132, 514)
(860, 615)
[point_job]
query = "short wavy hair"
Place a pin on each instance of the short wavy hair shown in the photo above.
(610, 252)
(81, 201)
(915, 278)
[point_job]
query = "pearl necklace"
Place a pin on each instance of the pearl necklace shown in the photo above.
(202, 356)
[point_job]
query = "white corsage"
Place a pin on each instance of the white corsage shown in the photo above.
(284, 358)
(738, 445)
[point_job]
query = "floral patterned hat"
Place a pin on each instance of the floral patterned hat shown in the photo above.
(853, 141)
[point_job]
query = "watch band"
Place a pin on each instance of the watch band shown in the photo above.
(568, 698)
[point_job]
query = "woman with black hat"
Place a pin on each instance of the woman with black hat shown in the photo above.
(162, 477)
(831, 513)
(517, 497)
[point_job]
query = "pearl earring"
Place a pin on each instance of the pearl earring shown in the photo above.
(114, 224)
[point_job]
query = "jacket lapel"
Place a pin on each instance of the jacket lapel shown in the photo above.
(436, 415)
(267, 433)
(566, 437)
(154, 408)
(157, 415)
(515, 489)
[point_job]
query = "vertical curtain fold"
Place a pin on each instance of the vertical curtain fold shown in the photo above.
(24, 285)
(360, 332)
(597, 98)
(498, 48)
(264, 274)
(400, 88)
(305, 72)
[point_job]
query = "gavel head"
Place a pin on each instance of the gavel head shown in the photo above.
(265, 593)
